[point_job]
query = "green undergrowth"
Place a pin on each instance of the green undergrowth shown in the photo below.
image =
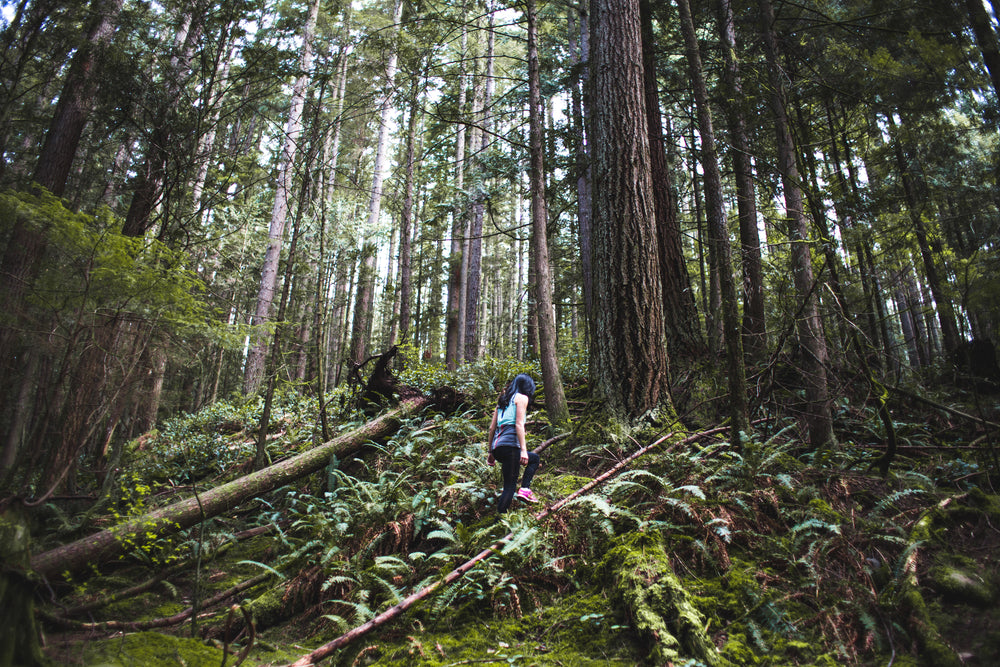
(704, 554)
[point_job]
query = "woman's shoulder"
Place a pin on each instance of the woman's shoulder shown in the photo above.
(520, 398)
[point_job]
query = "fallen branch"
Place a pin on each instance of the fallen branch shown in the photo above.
(310, 659)
(167, 621)
(941, 406)
(76, 556)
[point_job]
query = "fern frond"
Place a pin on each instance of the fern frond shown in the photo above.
(892, 499)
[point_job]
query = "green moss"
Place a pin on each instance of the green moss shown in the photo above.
(822, 509)
(561, 486)
(961, 584)
(655, 600)
(580, 630)
(151, 649)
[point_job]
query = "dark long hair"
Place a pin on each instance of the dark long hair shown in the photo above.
(521, 384)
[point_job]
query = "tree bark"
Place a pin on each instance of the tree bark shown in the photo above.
(77, 556)
(580, 55)
(473, 285)
(366, 282)
(406, 217)
(945, 312)
(555, 397)
(718, 232)
(986, 39)
(680, 314)
(279, 213)
(453, 324)
(629, 368)
(818, 418)
(754, 328)
(148, 188)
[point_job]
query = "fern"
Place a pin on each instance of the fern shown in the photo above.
(892, 499)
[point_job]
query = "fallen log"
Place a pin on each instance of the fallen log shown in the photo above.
(75, 557)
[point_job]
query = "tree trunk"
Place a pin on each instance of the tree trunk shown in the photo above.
(754, 328)
(26, 244)
(77, 556)
(986, 39)
(453, 325)
(579, 56)
(945, 313)
(474, 279)
(680, 314)
(406, 217)
(555, 398)
(279, 212)
(629, 368)
(150, 181)
(818, 418)
(718, 233)
(364, 304)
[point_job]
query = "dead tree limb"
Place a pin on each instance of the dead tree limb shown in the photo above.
(76, 556)
(166, 621)
(310, 659)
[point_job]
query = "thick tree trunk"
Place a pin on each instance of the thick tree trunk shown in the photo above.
(629, 368)
(754, 328)
(76, 556)
(75, 100)
(818, 419)
(555, 397)
(718, 233)
(680, 314)
(253, 373)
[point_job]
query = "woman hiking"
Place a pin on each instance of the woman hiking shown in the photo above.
(506, 442)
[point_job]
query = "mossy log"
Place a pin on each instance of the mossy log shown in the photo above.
(76, 556)
(654, 599)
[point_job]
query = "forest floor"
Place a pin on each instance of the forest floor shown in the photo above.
(694, 554)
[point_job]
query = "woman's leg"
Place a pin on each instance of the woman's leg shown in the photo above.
(510, 464)
(534, 460)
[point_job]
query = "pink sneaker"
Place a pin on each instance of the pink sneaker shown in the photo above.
(527, 495)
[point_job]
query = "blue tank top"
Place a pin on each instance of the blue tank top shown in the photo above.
(506, 437)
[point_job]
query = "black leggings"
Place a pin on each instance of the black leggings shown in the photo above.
(510, 464)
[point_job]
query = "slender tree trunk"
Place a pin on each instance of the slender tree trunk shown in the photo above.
(148, 188)
(474, 278)
(945, 313)
(718, 233)
(279, 213)
(754, 328)
(629, 368)
(818, 418)
(680, 314)
(364, 303)
(579, 56)
(453, 323)
(406, 217)
(555, 398)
